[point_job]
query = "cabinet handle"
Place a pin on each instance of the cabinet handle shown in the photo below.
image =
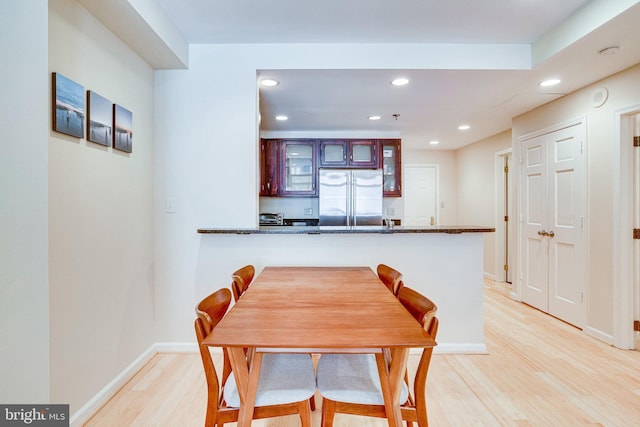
(542, 233)
(551, 234)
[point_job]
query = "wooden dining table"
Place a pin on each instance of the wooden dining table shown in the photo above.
(318, 310)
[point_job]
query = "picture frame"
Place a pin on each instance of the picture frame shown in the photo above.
(122, 129)
(99, 119)
(68, 106)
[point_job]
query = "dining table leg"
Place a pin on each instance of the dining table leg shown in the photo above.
(247, 374)
(391, 377)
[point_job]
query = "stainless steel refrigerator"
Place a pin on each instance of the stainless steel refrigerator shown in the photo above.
(350, 197)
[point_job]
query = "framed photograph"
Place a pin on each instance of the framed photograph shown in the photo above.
(68, 106)
(99, 119)
(122, 128)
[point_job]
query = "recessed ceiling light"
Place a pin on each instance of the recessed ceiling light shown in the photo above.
(434, 142)
(269, 82)
(282, 118)
(400, 81)
(374, 117)
(550, 82)
(464, 127)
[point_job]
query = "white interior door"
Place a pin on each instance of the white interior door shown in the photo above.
(567, 262)
(420, 195)
(535, 247)
(554, 206)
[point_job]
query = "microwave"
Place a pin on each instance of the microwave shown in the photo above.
(271, 219)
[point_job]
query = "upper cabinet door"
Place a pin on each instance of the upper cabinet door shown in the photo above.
(298, 168)
(269, 167)
(391, 165)
(333, 153)
(363, 153)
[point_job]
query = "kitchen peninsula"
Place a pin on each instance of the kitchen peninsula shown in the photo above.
(443, 262)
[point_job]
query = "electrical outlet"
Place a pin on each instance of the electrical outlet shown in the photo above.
(308, 211)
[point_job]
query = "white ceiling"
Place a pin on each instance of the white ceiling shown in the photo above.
(436, 101)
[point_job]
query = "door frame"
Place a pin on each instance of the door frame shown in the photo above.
(625, 292)
(500, 248)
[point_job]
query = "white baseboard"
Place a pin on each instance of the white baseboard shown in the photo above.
(489, 276)
(598, 334)
(462, 348)
(176, 347)
(444, 348)
(96, 402)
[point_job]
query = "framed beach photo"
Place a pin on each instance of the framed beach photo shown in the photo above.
(68, 106)
(99, 119)
(122, 128)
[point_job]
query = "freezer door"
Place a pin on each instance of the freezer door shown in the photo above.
(333, 190)
(367, 197)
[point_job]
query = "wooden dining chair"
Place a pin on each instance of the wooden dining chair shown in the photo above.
(241, 279)
(391, 277)
(286, 381)
(350, 384)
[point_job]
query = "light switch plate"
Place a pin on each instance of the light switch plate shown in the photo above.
(170, 205)
(308, 211)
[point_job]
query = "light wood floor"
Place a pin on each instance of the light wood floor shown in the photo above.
(540, 372)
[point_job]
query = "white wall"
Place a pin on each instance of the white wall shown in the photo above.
(100, 216)
(24, 290)
(602, 140)
(476, 195)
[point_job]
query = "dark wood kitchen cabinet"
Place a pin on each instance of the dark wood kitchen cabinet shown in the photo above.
(349, 153)
(289, 167)
(391, 165)
(269, 167)
(298, 168)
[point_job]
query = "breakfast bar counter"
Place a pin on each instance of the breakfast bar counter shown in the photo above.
(446, 263)
(447, 229)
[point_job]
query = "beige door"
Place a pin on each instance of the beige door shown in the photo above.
(554, 197)
(420, 195)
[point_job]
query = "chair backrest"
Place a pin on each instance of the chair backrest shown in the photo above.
(391, 277)
(421, 308)
(241, 279)
(209, 313)
(424, 311)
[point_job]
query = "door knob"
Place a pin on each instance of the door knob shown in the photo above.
(551, 234)
(542, 233)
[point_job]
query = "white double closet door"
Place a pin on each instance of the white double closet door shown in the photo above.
(553, 243)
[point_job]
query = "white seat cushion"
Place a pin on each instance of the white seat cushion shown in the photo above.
(284, 378)
(352, 378)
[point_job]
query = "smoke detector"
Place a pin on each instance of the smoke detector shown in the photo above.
(609, 51)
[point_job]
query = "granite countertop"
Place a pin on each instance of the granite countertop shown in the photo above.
(448, 229)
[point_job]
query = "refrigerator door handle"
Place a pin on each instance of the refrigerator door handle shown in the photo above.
(350, 201)
(354, 196)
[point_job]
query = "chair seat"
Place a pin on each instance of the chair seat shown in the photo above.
(352, 378)
(284, 378)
